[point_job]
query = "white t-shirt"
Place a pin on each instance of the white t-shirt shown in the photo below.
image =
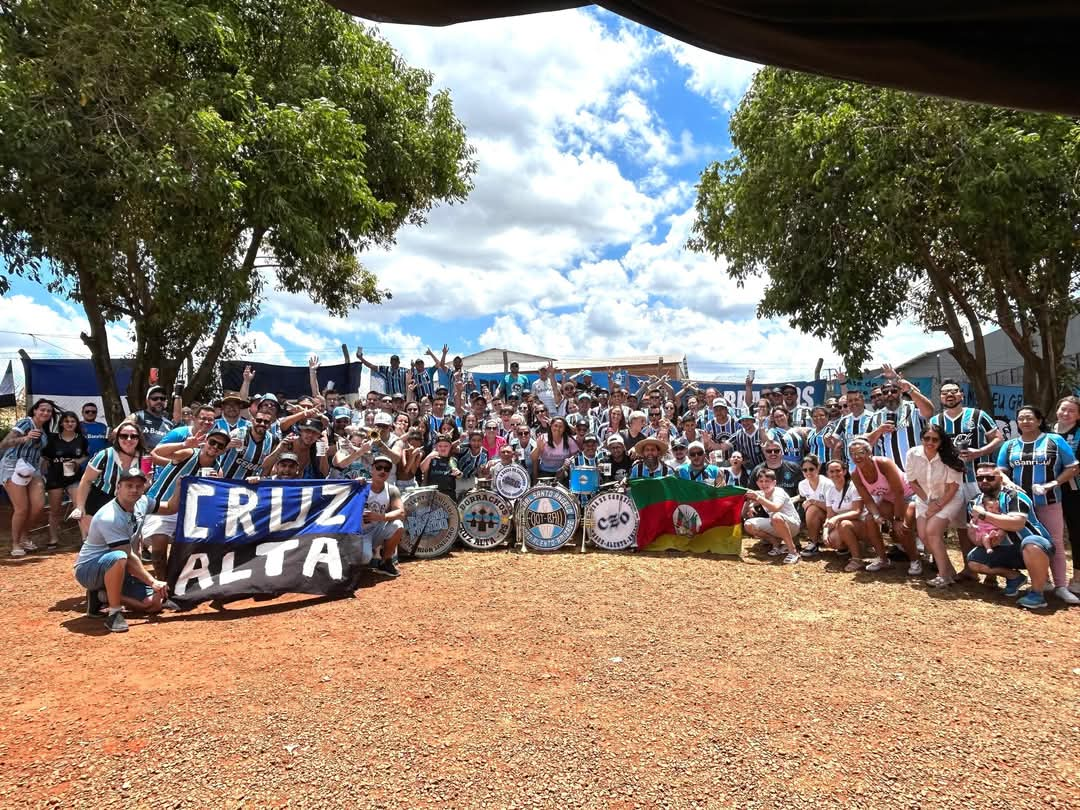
(787, 508)
(818, 495)
(541, 389)
(840, 501)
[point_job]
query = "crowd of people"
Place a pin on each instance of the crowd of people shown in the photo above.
(839, 476)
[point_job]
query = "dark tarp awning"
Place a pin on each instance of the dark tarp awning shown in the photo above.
(1015, 53)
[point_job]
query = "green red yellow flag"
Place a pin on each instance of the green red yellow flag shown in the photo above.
(688, 515)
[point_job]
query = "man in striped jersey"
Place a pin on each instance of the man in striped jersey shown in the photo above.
(394, 377)
(898, 425)
(747, 440)
(976, 437)
(719, 429)
(856, 422)
(798, 415)
(252, 456)
(650, 463)
(188, 458)
(1018, 540)
(420, 383)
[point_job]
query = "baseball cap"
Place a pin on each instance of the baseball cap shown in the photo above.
(342, 412)
(591, 437)
(310, 424)
(744, 415)
(680, 442)
(791, 386)
(615, 438)
(398, 395)
(218, 431)
(382, 457)
(289, 457)
(720, 402)
(268, 398)
(383, 418)
(154, 389)
(586, 373)
(584, 395)
(132, 472)
(696, 446)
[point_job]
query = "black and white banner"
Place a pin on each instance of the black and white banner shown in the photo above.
(235, 539)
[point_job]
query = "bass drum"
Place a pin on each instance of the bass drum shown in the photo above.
(485, 519)
(548, 516)
(611, 521)
(511, 481)
(431, 523)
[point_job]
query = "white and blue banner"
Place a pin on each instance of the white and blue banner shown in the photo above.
(235, 539)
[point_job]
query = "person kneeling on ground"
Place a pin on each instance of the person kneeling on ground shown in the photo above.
(107, 561)
(780, 522)
(845, 523)
(1020, 540)
(383, 516)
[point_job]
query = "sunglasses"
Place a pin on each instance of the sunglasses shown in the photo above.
(931, 440)
(772, 452)
(128, 437)
(157, 399)
(381, 468)
(986, 478)
(950, 392)
(809, 469)
(217, 445)
(265, 422)
(693, 453)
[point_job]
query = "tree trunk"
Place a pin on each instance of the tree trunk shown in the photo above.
(98, 344)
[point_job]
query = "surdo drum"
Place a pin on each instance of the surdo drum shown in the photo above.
(485, 519)
(611, 521)
(431, 523)
(548, 517)
(511, 482)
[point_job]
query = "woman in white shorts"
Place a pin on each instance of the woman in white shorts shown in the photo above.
(845, 524)
(812, 490)
(936, 474)
(20, 473)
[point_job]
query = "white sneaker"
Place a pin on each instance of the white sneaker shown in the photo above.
(791, 559)
(1074, 586)
(915, 569)
(1066, 596)
(880, 564)
(776, 551)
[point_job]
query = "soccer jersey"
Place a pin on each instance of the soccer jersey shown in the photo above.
(967, 429)
(30, 452)
(749, 444)
(153, 427)
(639, 470)
(720, 431)
(108, 463)
(222, 424)
(817, 446)
(97, 436)
(425, 387)
(706, 475)
(1072, 437)
(515, 385)
(1036, 462)
(471, 464)
(247, 460)
(800, 416)
(110, 530)
(1009, 500)
(909, 426)
(169, 477)
(790, 441)
(394, 379)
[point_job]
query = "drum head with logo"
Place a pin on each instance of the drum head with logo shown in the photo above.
(485, 519)
(511, 481)
(548, 516)
(584, 480)
(431, 523)
(611, 521)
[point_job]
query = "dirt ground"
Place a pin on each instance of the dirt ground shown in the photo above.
(561, 680)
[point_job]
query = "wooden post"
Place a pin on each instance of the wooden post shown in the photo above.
(817, 368)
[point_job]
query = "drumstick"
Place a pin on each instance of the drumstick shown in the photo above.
(584, 528)
(520, 528)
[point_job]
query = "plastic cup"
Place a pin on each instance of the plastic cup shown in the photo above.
(69, 468)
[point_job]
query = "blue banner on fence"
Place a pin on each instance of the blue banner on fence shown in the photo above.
(235, 539)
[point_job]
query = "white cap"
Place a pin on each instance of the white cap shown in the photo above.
(696, 446)
(716, 403)
(383, 418)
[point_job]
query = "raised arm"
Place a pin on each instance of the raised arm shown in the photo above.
(363, 360)
(313, 375)
(245, 386)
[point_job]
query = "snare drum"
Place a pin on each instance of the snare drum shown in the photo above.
(511, 481)
(548, 516)
(485, 519)
(431, 523)
(584, 480)
(611, 521)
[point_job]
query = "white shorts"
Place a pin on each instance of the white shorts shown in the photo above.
(158, 524)
(765, 525)
(953, 511)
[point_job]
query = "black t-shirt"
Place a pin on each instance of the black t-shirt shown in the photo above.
(788, 476)
(620, 470)
(631, 441)
(153, 427)
(58, 450)
(438, 475)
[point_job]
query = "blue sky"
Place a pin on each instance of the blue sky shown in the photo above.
(590, 134)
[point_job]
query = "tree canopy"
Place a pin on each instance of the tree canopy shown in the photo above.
(863, 205)
(167, 162)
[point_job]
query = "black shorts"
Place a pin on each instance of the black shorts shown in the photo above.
(60, 482)
(95, 500)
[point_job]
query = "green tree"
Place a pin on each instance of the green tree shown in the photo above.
(168, 162)
(863, 205)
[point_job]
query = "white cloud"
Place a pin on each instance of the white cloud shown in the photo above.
(721, 79)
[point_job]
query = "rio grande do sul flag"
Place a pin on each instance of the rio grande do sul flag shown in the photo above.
(688, 515)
